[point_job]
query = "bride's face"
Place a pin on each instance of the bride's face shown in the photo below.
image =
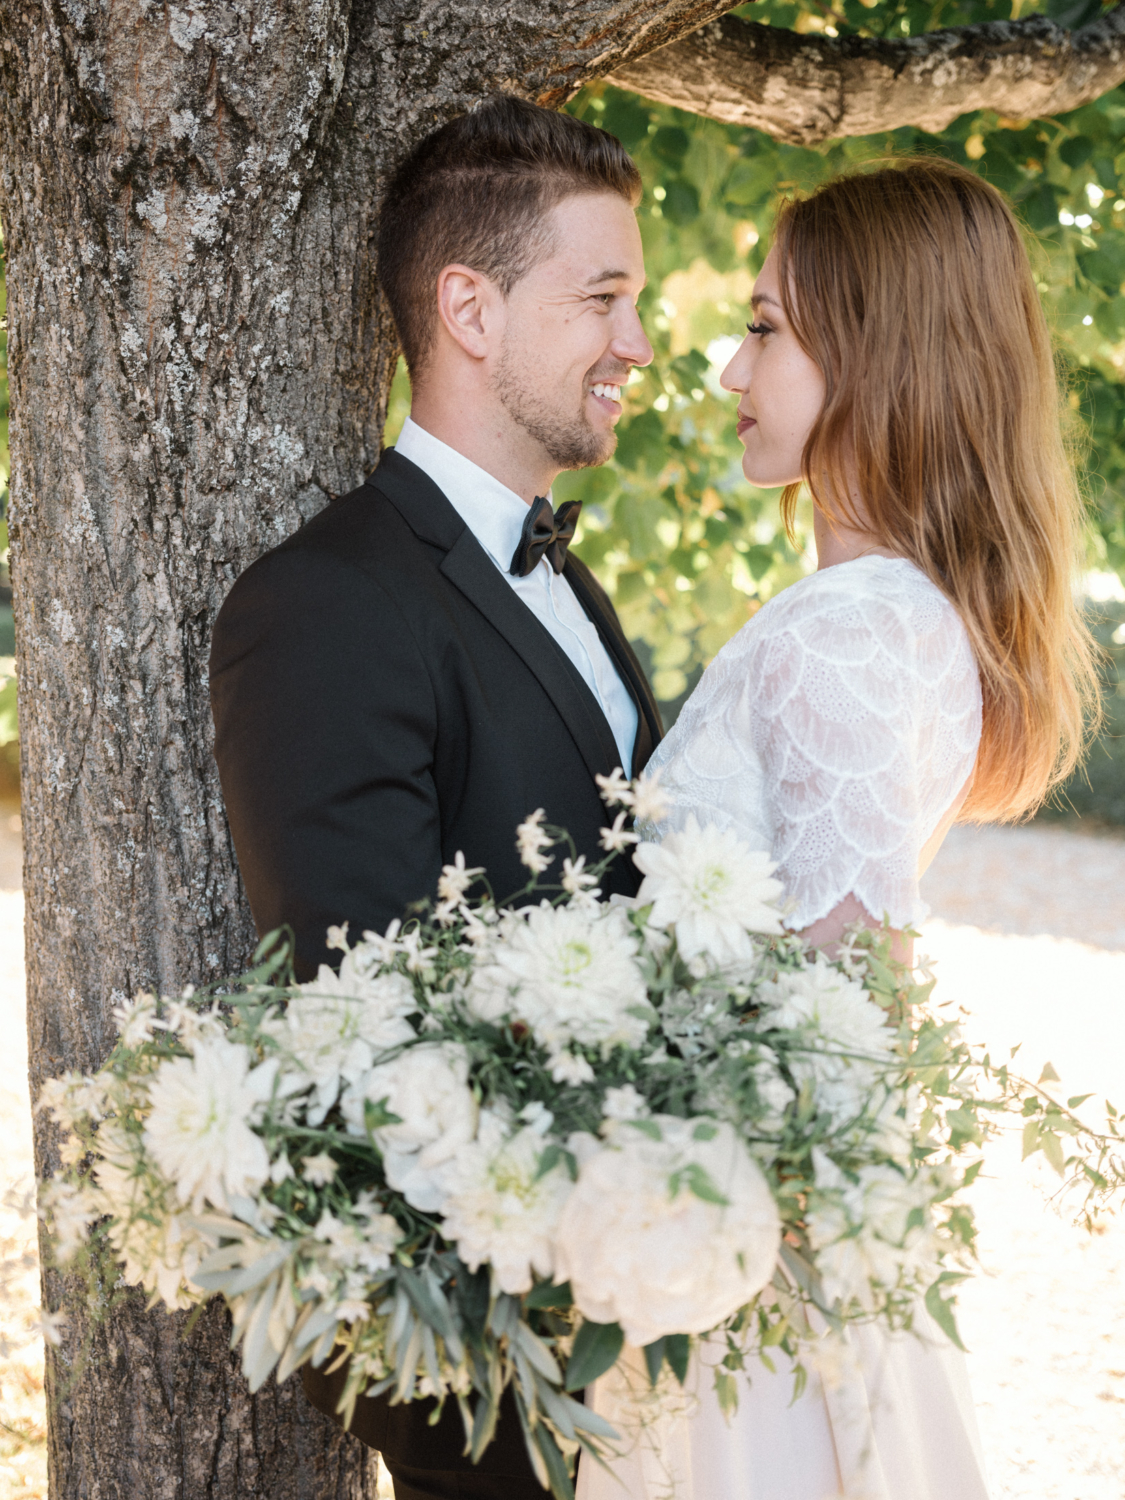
(781, 388)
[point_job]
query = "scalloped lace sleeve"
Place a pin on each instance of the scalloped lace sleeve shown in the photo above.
(836, 728)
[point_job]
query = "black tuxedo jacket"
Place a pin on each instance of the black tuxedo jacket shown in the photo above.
(382, 699)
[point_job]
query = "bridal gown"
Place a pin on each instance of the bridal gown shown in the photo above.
(837, 730)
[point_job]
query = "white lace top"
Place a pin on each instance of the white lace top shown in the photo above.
(836, 730)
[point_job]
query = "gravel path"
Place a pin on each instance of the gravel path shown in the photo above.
(1028, 931)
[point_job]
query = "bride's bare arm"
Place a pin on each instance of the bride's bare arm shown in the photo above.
(827, 932)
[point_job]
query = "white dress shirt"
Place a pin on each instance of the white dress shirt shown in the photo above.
(495, 515)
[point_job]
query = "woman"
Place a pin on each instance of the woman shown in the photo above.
(934, 666)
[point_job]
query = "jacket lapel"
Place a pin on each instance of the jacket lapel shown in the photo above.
(469, 568)
(593, 600)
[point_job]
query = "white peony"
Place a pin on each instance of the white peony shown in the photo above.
(338, 1023)
(500, 1209)
(199, 1131)
(570, 973)
(862, 1229)
(427, 1087)
(849, 1045)
(711, 889)
(641, 1246)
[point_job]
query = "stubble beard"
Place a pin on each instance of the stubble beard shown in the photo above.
(571, 442)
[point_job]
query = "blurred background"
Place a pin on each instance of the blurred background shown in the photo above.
(1029, 923)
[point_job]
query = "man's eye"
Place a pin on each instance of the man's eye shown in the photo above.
(605, 298)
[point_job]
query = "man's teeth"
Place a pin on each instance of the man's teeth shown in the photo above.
(610, 392)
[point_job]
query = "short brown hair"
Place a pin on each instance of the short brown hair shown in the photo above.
(475, 193)
(911, 289)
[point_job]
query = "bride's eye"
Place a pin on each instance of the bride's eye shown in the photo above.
(758, 328)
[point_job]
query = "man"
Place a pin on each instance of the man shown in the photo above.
(424, 663)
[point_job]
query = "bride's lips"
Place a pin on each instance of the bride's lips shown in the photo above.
(745, 424)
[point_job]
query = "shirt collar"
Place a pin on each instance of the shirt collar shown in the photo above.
(492, 512)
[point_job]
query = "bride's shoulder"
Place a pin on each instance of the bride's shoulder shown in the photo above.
(887, 598)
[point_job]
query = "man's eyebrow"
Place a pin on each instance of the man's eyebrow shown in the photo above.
(764, 297)
(611, 275)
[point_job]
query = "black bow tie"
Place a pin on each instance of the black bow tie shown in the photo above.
(545, 533)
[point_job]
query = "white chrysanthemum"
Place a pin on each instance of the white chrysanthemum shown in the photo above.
(849, 1044)
(862, 1232)
(722, 1093)
(711, 889)
(74, 1096)
(570, 973)
(624, 1103)
(367, 1246)
(199, 1131)
(427, 1087)
(531, 840)
(134, 1018)
(160, 1250)
(641, 1246)
(500, 1210)
(571, 1068)
(338, 1023)
(71, 1209)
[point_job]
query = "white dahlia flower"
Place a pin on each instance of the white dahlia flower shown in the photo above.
(337, 1025)
(500, 1209)
(710, 889)
(199, 1131)
(849, 1044)
(671, 1228)
(427, 1087)
(570, 973)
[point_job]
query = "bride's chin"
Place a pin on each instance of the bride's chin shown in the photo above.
(762, 477)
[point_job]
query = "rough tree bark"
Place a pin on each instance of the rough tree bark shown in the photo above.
(198, 359)
(807, 89)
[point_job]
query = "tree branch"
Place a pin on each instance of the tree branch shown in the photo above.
(806, 89)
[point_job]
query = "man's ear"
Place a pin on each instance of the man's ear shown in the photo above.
(468, 303)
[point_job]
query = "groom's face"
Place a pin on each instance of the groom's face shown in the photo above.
(571, 332)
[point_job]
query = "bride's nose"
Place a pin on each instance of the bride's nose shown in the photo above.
(736, 376)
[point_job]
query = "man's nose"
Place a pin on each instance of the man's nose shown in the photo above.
(630, 344)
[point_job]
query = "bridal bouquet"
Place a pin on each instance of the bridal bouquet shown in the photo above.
(501, 1141)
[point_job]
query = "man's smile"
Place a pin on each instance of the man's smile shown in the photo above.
(607, 396)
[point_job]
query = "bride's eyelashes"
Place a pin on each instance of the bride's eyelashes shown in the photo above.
(759, 328)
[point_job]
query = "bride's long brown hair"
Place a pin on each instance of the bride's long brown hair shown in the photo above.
(911, 289)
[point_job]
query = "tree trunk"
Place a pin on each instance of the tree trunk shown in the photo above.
(199, 358)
